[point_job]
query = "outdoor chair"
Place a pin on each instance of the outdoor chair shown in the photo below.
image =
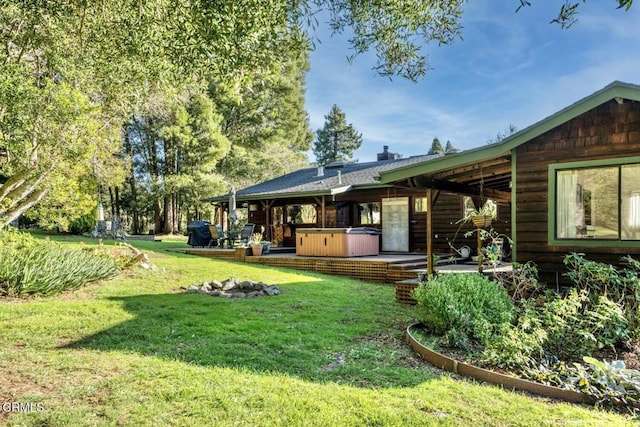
(217, 236)
(246, 232)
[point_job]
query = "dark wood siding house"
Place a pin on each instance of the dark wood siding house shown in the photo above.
(348, 195)
(571, 181)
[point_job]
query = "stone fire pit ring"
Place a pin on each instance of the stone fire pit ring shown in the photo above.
(234, 288)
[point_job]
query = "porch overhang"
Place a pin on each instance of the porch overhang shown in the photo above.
(473, 174)
(482, 174)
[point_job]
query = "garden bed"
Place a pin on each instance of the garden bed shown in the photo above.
(465, 369)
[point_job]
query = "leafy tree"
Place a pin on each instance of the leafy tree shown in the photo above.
(567, 16)
(504, 134)
(114, 55)
(193, 144)
(175, 154)
(337, 140)
(53, 135)
(436, 147)
(266, 123)
(449, 147)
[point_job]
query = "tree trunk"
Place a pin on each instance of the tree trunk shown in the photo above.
(113, 204)
(158, 223)
(135, 226)
(154, 171)
(117, 203)
(169, 214)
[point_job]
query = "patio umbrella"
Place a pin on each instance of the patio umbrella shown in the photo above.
(233, 215)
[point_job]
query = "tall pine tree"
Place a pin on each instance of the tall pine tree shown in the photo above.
(337, 140)
(266, 123)
(436, 147)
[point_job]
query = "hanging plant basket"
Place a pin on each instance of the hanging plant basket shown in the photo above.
(482, 221)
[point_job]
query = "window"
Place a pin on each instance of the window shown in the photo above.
(630, 206)
(369, 213)
(420, 204)
(600, 203)
(301, 214)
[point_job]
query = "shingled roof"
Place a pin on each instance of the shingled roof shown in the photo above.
(337, 178)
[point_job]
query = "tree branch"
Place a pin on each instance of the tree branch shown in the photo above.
(14, 213)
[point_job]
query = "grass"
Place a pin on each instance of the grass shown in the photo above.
(136, 350)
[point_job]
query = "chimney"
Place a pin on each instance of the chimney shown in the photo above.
(386, 155)
(320, 171)
(339, 177)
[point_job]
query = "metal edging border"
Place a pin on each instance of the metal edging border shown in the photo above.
(443, 362)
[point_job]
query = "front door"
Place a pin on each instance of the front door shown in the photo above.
(395, 224)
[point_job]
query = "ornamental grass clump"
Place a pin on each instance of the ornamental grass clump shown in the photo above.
(464, 308)
(35, 267)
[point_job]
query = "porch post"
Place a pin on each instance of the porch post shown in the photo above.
(267, 207)
(324, 214)
(429, 232)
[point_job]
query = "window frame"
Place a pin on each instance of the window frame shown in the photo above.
(359, 214)
(423, 202)
(552, 193)
(292, 205)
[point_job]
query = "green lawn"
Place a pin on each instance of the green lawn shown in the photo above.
(327, 351)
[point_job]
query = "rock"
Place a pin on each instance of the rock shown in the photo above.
(234, 288)
(229, 284)
(271, 290)
(246, 285)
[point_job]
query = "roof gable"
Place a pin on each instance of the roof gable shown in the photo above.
(615, 90)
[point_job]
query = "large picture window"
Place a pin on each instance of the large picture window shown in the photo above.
(598, 202)
(301, 214)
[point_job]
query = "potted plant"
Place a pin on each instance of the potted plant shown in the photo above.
(255, 242)
(482, 217)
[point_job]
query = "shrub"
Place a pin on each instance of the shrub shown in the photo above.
(576, 328)
(515, 346)
(84, 224)
(609, 384)
(521, 283)
(622, 286)
(463, 307)
(40, 267)
(565, 328)
(121, 254)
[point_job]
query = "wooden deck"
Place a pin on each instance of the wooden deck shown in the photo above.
(385, 268)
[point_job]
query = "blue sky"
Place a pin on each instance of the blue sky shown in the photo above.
(510, 69)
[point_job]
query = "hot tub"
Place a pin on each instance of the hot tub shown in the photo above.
(337, 242)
